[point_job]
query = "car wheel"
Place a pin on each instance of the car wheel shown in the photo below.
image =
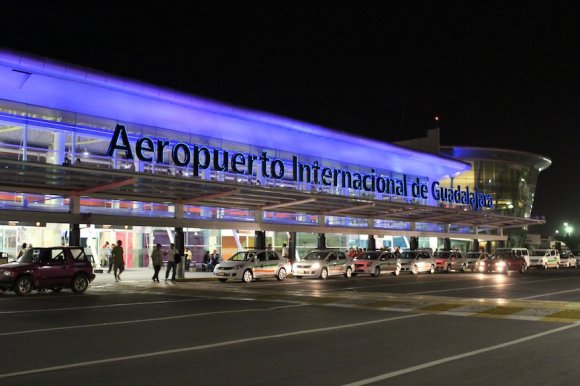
(80, 283)
(56, 289)
(247, 276)
(23, 285)
(432, 270)
(397, 271)
(377, 272)
(281, 274)
(223, 280)
(415, 270)
(323, 273)
(348, 273)
(298, 277)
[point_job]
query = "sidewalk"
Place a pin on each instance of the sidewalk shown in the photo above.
(145, 274)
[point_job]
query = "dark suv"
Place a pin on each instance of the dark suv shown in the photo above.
(51, 268)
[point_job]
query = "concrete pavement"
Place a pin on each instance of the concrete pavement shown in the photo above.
(145, 275)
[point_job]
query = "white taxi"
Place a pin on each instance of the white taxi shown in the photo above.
(322, 263)
(545, 258)
(568, 260)
(377, 262)
(252, 264)
(417, 261)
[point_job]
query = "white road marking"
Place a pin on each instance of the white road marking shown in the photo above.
(106, 324)
(441, 361)
(475, 287)
(548, 294)
(202, 347)
(102, 306)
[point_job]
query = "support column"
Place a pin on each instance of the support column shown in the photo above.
(446, 244)
(260, 242)
(413, 243)
(475, 245)
(292, 246)
(74, 235)
(371, 243)
(321, 241)
(180, 246)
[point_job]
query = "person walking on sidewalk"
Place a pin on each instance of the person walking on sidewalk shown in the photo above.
(156, 261)
(171, 262)
(118, 262)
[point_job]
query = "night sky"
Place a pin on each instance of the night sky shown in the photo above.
(499, 74)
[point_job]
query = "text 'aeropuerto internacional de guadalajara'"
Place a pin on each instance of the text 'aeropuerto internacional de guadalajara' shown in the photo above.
(201, 158)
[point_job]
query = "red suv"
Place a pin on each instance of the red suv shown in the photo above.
(51, 268)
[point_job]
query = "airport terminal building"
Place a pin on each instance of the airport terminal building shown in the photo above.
(88, 157)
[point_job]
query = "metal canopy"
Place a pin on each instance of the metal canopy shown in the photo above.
(105, 183)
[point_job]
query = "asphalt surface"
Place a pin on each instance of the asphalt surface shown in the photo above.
(441, 329)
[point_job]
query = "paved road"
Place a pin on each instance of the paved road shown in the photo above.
(442, 329)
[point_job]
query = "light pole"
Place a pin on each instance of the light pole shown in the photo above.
(568, 229)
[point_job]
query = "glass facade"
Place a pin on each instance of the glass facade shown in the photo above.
(510, 176)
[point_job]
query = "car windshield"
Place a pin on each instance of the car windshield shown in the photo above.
(442, 255)
(242, 256)
(369, 256)
(408, 255)
(500, 256)
(316, 255)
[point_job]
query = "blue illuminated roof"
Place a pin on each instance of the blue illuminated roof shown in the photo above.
(44, 82)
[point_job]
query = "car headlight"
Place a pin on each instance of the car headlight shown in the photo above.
(500, 264)
(6, 273)
(315, 266)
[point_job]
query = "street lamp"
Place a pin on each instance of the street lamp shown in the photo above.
(568, 229)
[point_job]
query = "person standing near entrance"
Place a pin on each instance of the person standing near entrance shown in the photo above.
(171, 262)
(156, 261)
(22, 250)
(285, 252)
(118, 262)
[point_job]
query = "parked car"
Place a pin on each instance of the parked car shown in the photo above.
(448, 261)
(51, 268)
(377, 262)
(322, 263)
(253, 264)
(473, 259)
(504, 262)
(544, 258)
(576, 254)
(568, 260)
(417, 261)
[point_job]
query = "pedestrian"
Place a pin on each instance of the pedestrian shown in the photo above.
(118, 262)
(284, 250)
(397, 253)
(215, 258)
(110, 257)
(269, 247)
(22, 250)
(171, 253)
(206, 261)
(156, 261)
(188, 258)
(104, 254)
